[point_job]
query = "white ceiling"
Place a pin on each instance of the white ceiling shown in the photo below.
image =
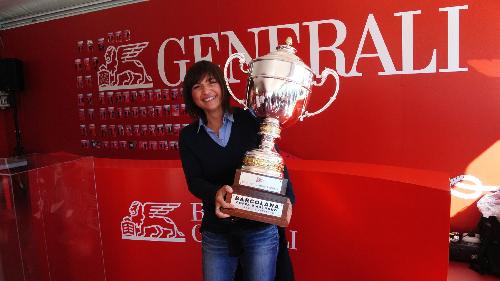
(15, 13)
(10, 9)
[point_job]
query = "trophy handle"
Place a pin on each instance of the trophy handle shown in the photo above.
(324, 75)
(241, 59)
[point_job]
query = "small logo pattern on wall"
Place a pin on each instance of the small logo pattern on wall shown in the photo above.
(149, 221)
(119, 108)
(122, 69)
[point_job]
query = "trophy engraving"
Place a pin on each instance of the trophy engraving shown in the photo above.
(278, 90)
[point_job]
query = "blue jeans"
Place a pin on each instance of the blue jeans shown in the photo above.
(258, 258)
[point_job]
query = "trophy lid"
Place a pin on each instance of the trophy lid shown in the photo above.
(285, 53)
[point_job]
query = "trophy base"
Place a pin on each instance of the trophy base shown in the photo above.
(259, 206)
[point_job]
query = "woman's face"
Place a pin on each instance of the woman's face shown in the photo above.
(207, 94)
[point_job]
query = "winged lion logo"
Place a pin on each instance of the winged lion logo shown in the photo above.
(149, 221)
(122, 69)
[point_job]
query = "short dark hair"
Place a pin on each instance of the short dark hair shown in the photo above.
(194, 75)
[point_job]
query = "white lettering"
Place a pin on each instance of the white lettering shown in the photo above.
(161, 62)
(204, 46)
(197, 46)
(315, 48)
(407, 45)
(273, 35)
(197, 211)
(292, 243)
(453, 38)
(371, 27)
(195, 233)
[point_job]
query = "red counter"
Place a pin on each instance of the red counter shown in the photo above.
(119, 220)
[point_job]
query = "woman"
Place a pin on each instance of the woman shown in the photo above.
(211, 149)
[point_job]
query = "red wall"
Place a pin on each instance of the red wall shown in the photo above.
(435, 121)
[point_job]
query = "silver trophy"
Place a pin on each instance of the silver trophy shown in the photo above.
(278, 90)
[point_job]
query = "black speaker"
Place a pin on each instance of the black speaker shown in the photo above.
(11, 75)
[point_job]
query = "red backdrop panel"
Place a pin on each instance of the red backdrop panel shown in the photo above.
(346, 225)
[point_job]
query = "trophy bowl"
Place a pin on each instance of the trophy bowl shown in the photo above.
(278, 90)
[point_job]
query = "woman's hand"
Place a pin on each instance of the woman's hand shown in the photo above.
(221, 203)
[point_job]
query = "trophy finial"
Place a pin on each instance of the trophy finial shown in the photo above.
(287, 47)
